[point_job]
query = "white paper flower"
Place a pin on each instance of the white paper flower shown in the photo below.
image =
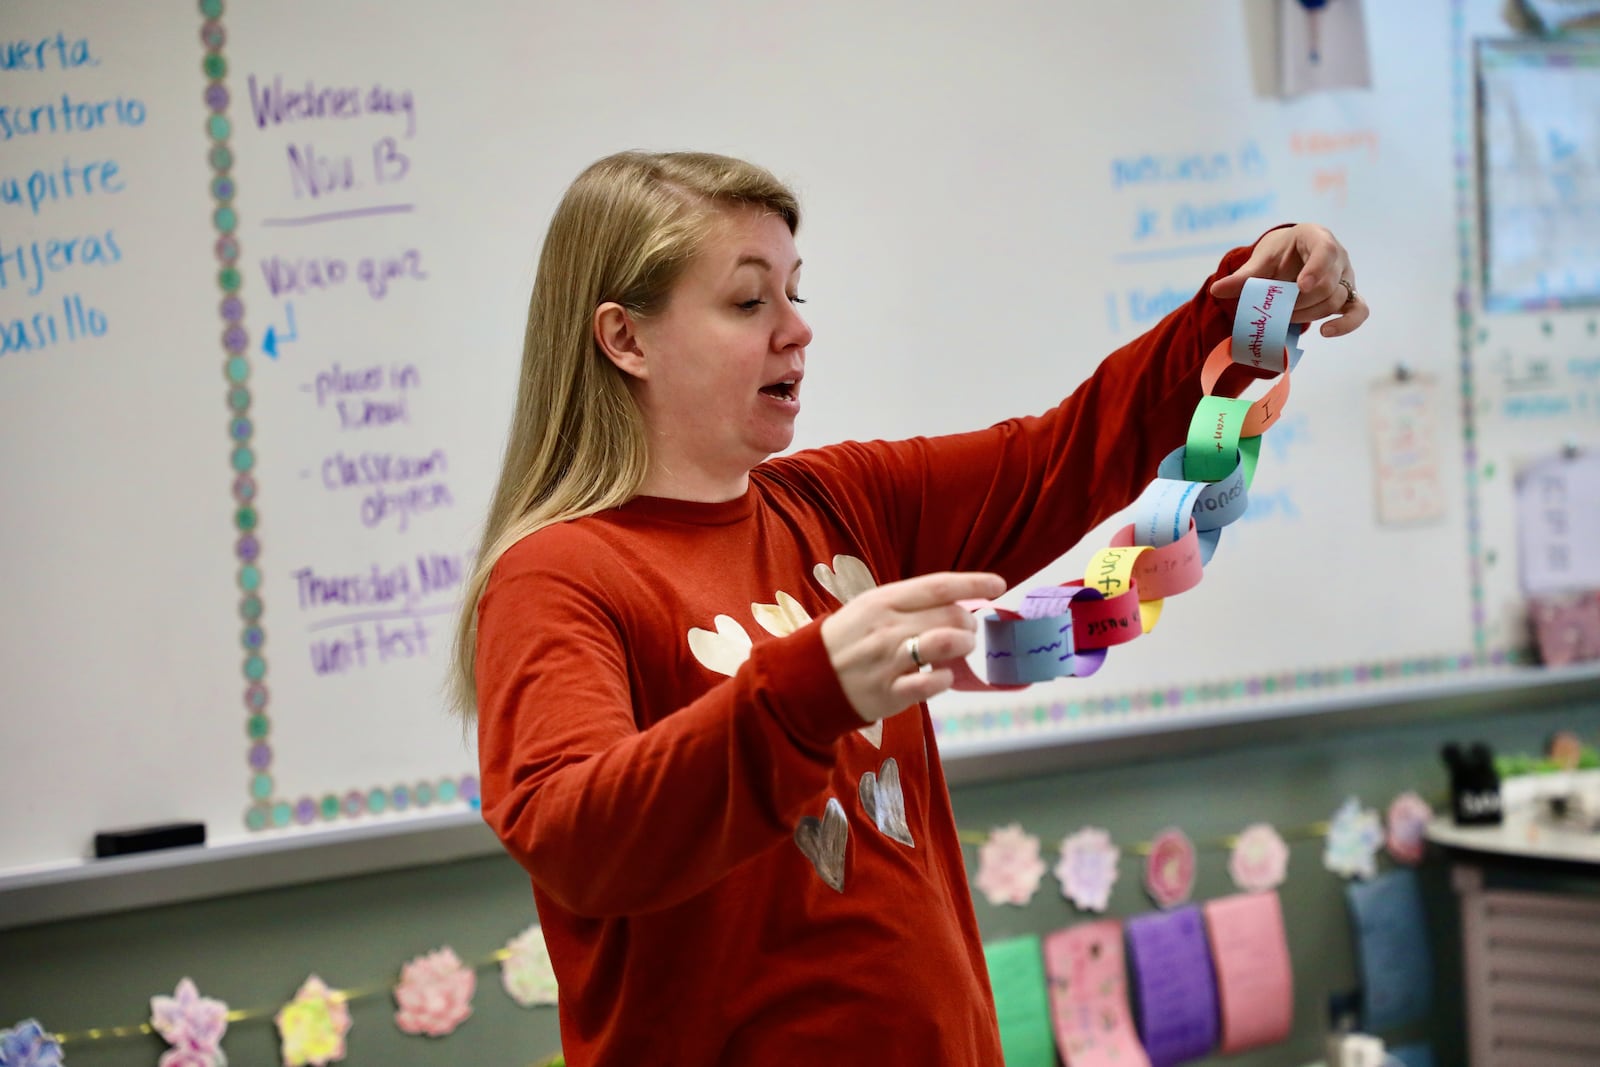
(1088, 868)
(1354, 836)
(526, 971)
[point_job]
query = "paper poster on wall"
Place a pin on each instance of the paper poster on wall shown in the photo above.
(1540, 173)
(1392, 950)
(1323, 45)
(1177, 991)
(1089, 996)
(1016, 974)
(1255, 980)
(1558, 512)
(1406, 472)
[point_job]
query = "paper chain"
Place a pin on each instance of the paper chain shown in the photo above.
(1064, 631)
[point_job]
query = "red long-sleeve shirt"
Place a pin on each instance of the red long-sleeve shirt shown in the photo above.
(658, 715)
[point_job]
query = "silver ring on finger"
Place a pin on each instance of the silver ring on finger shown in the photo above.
(1349, 288)
(914, 652)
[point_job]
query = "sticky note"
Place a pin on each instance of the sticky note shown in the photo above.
(1174, 984)
(1255, 981)
(1392, 952)
(1089, 997)
(1016, 973)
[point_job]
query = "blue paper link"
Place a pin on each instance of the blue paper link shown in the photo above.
(1392, 952)
(1176, 986)
(1024, 651)
(1261, 325)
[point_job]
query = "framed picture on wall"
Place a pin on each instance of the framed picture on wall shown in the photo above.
(1539, 159)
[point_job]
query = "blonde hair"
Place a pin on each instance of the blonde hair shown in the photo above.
(624, 232)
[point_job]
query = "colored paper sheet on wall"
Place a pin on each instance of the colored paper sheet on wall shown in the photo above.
(1558, 510)
(1255, 981)
(1177, 992)
(1016, 972)
(1406, 472)
(1392, 951)
(1089, 997)
(1322, 45)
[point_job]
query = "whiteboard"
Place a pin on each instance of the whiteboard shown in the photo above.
(245, 458)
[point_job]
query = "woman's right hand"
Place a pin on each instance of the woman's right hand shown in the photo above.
(870, 639)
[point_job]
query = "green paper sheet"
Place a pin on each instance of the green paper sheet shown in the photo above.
(1016, 971)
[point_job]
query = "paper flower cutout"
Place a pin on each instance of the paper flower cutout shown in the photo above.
(526, 971)
(1169, 871)
(1088, 868)
(434, 994)
(28, 1045)
(1408, 826)
(312, 1026)
(186, 1020)
(1259, 859)
(1009, 867)
(1353, 841)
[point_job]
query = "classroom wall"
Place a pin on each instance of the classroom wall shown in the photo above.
(254, 950)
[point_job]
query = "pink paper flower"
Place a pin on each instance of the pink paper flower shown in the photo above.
(525, 970)
(1259, 859)
(1408, 826)
(1169, 870)
(1009, 867)
(434, 994)
(188, 1020)
(1088, 868)
(312, 1026)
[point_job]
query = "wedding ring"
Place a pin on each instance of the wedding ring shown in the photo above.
(1349, 287)
(911, 647)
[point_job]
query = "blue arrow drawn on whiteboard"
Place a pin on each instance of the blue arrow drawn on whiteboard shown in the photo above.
(272, 338)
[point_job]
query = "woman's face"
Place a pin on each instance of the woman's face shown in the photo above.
(723, 360)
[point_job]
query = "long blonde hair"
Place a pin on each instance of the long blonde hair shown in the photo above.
(624, 232)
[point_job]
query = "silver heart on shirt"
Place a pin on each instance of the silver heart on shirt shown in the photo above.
(823, 840)
(885, 803)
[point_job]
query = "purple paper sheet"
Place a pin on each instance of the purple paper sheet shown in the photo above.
(1176, 988)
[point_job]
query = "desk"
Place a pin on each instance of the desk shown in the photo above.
(1531, 955)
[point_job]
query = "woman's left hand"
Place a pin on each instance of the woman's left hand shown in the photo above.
(1312, 258)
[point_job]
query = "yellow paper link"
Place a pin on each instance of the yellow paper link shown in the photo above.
(1110, 570)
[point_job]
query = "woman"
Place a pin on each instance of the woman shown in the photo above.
(687, 659)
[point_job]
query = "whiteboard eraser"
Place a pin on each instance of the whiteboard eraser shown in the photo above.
(148, 838)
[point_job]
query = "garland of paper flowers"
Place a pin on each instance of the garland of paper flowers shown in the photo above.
(1011, 865)
(1065, 630)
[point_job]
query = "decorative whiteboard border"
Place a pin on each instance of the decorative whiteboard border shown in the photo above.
(266, 810)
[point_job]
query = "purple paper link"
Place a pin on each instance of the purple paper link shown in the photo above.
(1046, 602)
(1177, 989)
(1088, 662)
